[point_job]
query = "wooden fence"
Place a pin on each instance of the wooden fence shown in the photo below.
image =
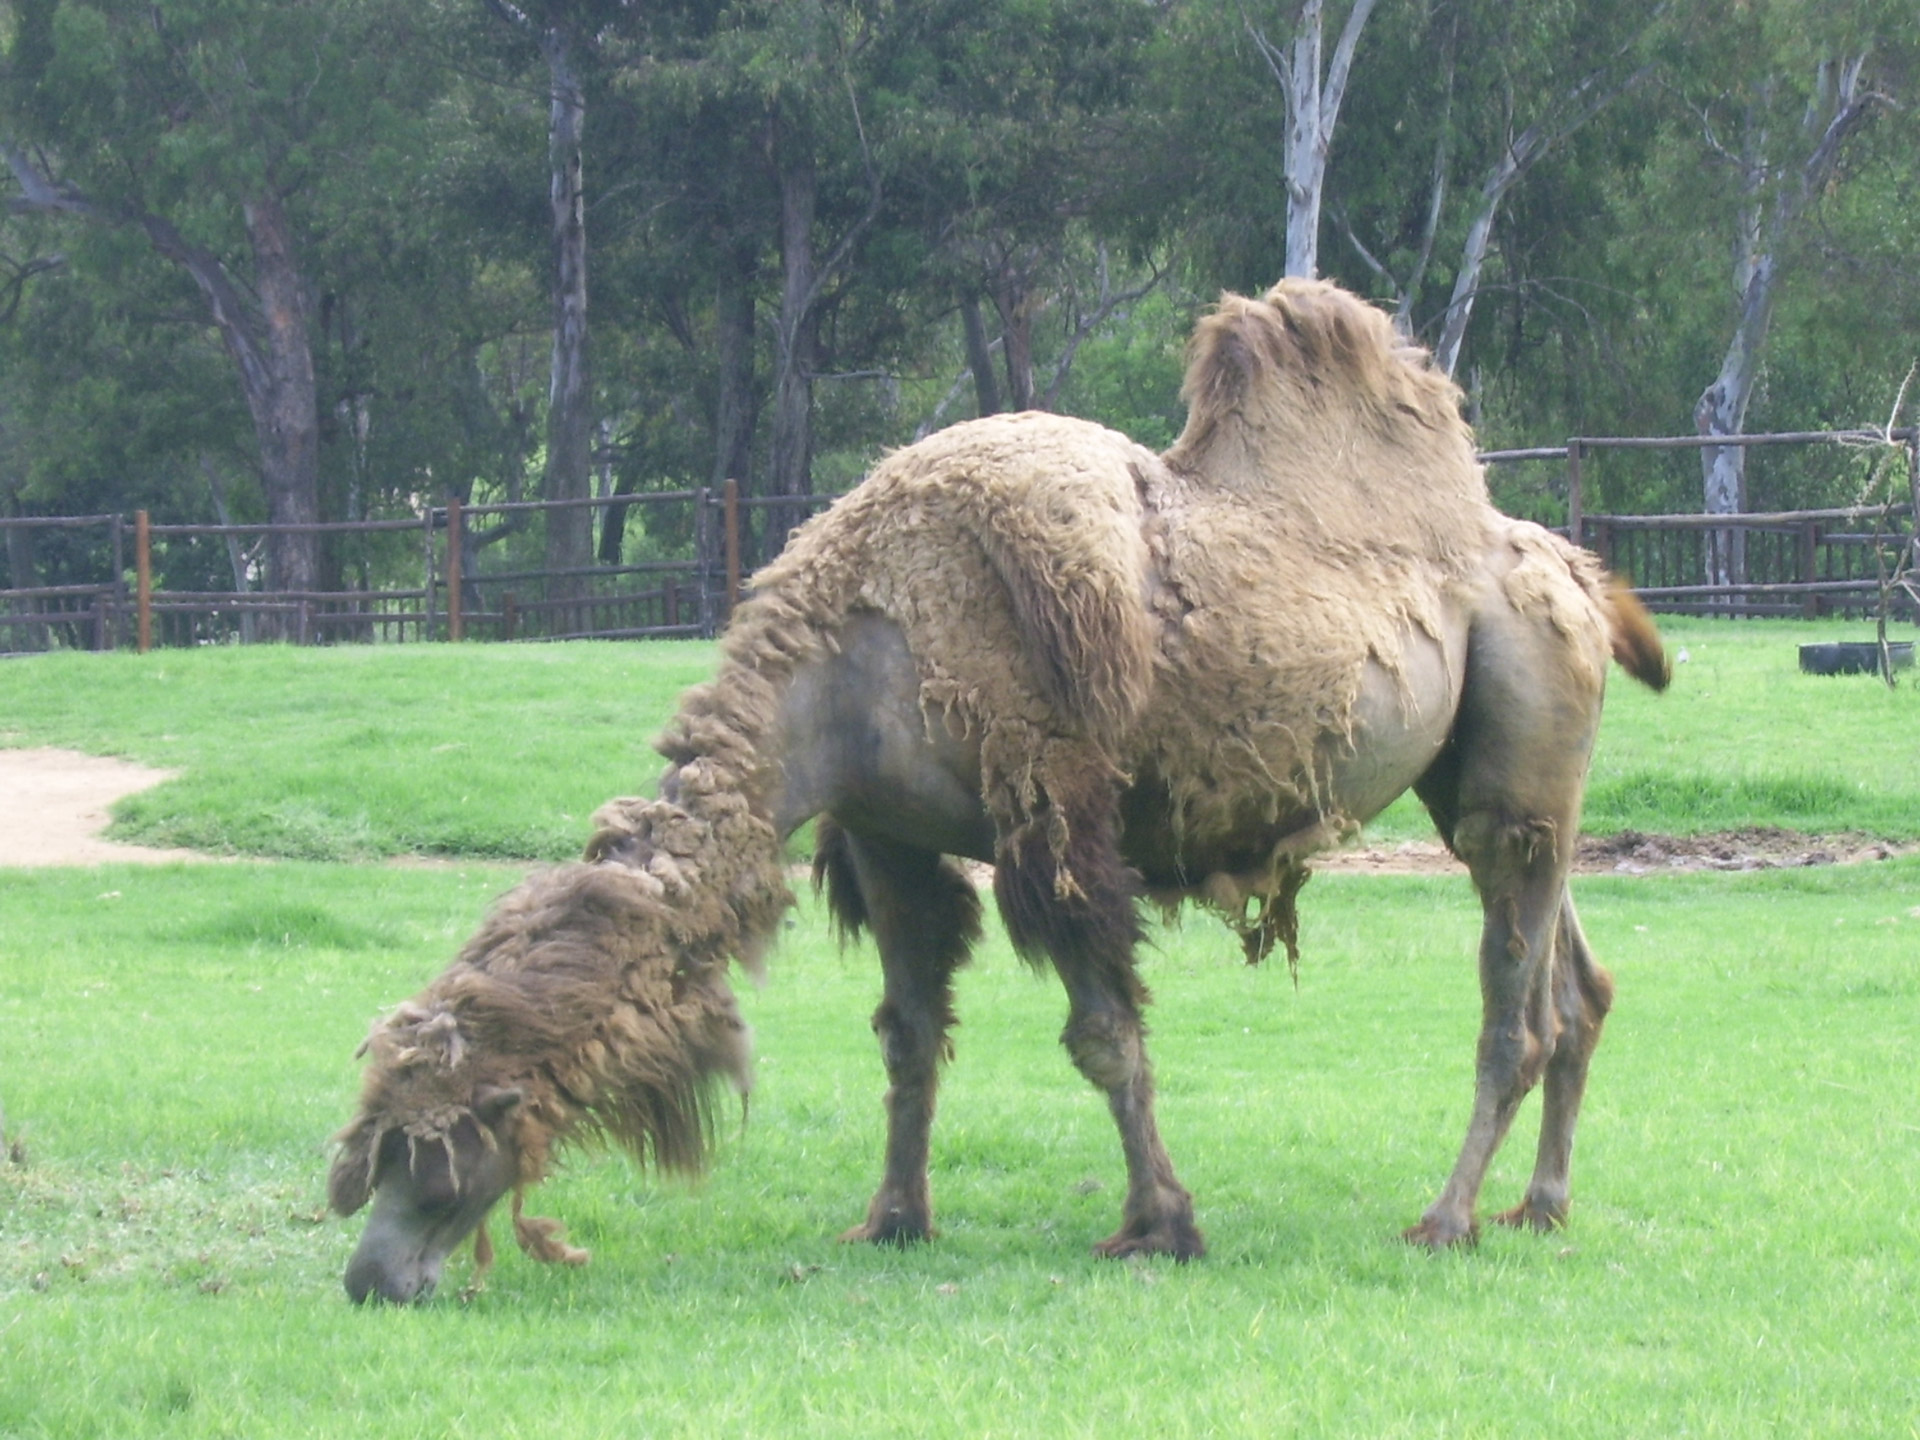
(464, 584)
(1850, 560)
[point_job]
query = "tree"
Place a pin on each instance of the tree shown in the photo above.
(564, 33)
(216, 132)
(1778, 182)
(1314, 84)
(1452, 115)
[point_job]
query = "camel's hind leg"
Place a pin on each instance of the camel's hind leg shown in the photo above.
(925, 916)
(1506, 793)
(1582, 995)
(1089, 928)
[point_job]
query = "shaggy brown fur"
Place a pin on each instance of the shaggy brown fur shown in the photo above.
(1176, 676)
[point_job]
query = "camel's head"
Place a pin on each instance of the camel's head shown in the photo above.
(433, 1148)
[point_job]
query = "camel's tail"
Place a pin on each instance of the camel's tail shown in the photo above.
(1634, 637)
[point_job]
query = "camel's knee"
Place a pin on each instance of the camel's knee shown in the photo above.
(1586, 989)
(1497, 846)
(912, 1043)
(1586, 999)
(1106, 1048)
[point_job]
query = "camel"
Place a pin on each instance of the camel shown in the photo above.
(1118, 677)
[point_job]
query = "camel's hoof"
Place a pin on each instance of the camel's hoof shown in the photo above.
(892, 1229)
(1436, 1233)
(1178, 1238)
(1540, 1219)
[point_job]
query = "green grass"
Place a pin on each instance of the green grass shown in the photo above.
(176, 1046)
(365, 751)
(1740, 1260)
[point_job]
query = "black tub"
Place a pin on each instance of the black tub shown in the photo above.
(1854, 657)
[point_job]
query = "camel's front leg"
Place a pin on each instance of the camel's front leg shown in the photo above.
(1089, 928)
(1521, 875)
(1106, 1039)
(924, 915)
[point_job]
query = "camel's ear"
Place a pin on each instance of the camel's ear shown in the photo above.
(350, 1182)
(493, 1103)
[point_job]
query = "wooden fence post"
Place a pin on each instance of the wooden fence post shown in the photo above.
(1576, 500)
(428, 577)
(730, 510)
(118, 538)
(456, 618)
(143, 579)
(1913, 512)
(1810, 566)
(509, 615)
(703, 549)
(1603, 542)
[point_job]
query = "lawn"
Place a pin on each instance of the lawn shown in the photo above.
(177, 1045)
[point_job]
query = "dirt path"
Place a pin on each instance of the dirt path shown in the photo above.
(1632, 853)
(54, 804)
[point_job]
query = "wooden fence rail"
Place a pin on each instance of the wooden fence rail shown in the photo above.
(475, 571)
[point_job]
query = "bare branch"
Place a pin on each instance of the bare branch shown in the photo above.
(1335, 87)
(1270, 53)
(15, 288)
(1109, 303)
(825, 273)
(1899, 403)
(41, 194)
(1367, 257)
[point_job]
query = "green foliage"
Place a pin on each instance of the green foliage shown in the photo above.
(1028, 157)
(1128, 375)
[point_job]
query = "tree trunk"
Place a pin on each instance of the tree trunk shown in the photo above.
(1313, 109)
(1014, 298)
(733, 344)
(734, 405)
(1722, 410)
(1473, 258)
(1307, 148)
(791, 463)
(986, 390)
(569, 471)
(266, 336)
(1771, 209)
(285, 409)
(1575, 108)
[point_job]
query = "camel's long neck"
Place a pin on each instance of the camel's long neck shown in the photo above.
(710, 837)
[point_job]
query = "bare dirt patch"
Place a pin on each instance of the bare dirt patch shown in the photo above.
(54, 805)
(1632, 853)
